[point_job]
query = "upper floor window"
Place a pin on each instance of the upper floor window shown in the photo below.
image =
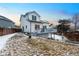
(33, 17)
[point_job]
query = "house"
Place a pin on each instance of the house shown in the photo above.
(6, 23)
(31, 22)
(51, 29)
(6, 26)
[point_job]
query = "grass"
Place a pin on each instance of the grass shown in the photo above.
(38, 46)
(50, 47)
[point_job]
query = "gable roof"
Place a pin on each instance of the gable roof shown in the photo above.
(32, 12)
(34, 21)
(6, 19)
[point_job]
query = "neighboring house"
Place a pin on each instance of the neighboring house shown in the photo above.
(52, 28)
(30, 22)
(6, 23)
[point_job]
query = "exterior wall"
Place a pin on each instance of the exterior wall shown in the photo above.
(45, 24)
(6, 24)
(25, 23)
(30, 16)
(33, 27)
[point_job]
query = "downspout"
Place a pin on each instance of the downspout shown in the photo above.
(30, 31)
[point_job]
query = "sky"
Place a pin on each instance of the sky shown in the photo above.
(47, 11)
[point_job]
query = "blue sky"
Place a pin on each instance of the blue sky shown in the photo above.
(48, 11)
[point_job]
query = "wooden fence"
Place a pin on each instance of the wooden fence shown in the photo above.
(5, 31)
(73, 36)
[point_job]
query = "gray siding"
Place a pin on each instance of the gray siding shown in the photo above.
(6, 24)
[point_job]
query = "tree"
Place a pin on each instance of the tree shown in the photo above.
(63, 26)
(75, 20)
(64, 21)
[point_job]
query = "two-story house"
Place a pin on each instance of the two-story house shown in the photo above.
(30, 22)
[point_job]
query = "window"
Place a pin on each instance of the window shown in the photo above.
(37, 27)
(22, 28)
(33, 17)
(26, 26)
(44, 28)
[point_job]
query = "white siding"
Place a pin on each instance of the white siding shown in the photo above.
(37, 17)
(33, 27)
(24, 22)
(45, 24)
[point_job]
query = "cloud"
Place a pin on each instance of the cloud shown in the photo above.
(15, 19)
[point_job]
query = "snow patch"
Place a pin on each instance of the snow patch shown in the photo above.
(57, 37)
(4, 38)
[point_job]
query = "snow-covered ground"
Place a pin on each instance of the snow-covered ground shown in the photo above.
(57, 37)
(4, 38)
